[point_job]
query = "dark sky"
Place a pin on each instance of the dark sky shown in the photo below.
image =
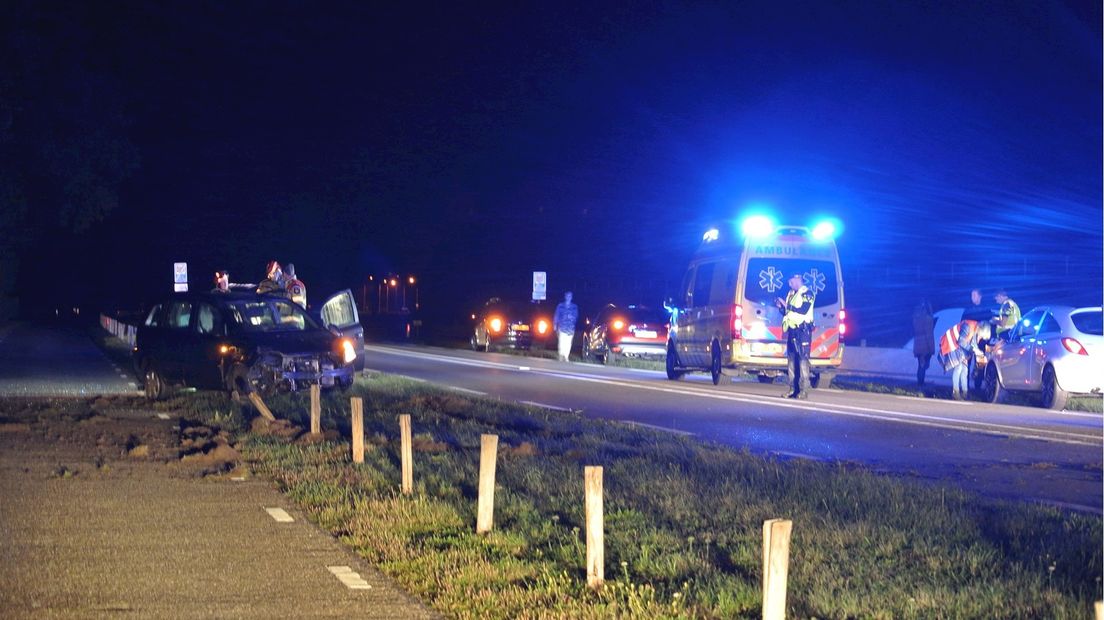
(471, 145)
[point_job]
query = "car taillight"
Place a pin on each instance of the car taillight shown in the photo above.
(496, 324)
(737, 321)
(1073, 346)
(542, 326)
(618, 324)
(843, 326)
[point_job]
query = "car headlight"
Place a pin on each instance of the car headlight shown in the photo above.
(348, 351)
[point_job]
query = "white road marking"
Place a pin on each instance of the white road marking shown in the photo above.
(524, 368)
(465, 390)
(349, 577)
(163, 416)
(1004, 430)
(532, 403)
(279, 515)
(658, 428)
(123, 376)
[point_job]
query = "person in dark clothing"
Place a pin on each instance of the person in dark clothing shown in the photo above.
(222, 281)
(923, 344)
(797, 323)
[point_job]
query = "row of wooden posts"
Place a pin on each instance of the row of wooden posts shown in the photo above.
(776, 532)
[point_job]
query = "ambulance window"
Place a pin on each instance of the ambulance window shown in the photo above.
(703, 283)
(687, 282)
(767, 279)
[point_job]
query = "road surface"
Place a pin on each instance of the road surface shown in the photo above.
(57, 360)
(1011, 452)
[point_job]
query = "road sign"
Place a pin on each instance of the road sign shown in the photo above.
(180, 277)
(540, 285)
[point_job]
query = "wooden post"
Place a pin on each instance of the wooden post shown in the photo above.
(776, 566)
(316, 409)
(595, 534)
(407, 455)
(357, 425)
(488, 456)
(261, 407)
(1099, 604)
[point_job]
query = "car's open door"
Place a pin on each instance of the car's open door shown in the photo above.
(339, 313)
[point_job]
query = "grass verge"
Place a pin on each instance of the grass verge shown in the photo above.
(683, 520)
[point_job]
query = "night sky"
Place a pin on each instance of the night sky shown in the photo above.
(960, 143)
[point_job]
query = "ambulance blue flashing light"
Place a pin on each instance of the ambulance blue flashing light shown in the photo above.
(711, 235)
(824, 231)
(757, 226)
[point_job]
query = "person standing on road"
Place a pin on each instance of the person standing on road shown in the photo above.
(295, 287)
(567, 315)
(975, 311)
(797, 324)
(274, 279)
(1009, 313)
(956, 347)
(222, 281)
(923, 343)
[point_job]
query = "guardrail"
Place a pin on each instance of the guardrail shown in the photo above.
(122, 331)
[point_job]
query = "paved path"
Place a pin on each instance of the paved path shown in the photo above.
(1023, 453)
(150, 540)
(55, 360)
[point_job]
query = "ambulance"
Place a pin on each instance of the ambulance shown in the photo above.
(725, 320)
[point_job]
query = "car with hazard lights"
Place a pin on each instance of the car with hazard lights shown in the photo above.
(632, 331)
(1053, 352)
(245, 342)
(505, 325)
(725, 321)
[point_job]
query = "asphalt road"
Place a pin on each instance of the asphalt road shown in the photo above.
(1004, 451)
(57, 360)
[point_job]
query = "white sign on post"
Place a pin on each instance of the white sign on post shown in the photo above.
(180, 277)
(540, 286)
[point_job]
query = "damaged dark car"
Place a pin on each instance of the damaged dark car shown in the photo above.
(246, 342)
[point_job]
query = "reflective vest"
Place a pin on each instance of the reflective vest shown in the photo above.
(1009, 316)
(297, 291)
(794, 301)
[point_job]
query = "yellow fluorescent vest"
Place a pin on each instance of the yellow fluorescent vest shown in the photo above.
(794, 299)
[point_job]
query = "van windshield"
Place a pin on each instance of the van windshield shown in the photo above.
(767, 279)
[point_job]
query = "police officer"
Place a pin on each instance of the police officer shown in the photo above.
(1009, 314)
(274, 279)
(797, 324)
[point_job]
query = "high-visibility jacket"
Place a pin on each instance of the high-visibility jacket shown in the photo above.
(799, 308)
(1009, 316)
(297, 291)
(957, 342)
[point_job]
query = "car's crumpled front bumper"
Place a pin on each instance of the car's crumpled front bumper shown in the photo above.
(294, 372)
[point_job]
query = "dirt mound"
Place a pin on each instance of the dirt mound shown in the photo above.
(280, 429)
(521, 450)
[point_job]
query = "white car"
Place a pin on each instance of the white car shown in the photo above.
(1054, 351)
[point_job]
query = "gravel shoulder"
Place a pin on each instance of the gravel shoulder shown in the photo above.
(106, 509)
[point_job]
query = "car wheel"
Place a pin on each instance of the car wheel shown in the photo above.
(673, 373)
(765, 378)
(155, 385)
(991, 386)
(584, 348)
(715, 364)
(1054, 397)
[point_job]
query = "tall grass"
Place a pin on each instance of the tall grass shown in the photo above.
(683, 520)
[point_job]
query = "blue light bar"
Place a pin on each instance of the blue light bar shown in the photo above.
(757, 226)
(824, 231)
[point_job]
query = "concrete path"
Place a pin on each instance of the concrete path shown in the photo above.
(84, 536)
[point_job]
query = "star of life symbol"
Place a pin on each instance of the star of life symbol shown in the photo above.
(770, 279)
(814, 279)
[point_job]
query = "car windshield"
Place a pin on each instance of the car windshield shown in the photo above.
(767, 279)
(1089, 322)
(271, 315)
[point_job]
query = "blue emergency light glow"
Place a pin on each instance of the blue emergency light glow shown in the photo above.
(711, 235)
(757, 226)
(824, 231)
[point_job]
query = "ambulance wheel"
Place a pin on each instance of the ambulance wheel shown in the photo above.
(673, 373)
(821, 380)
(715, 364)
